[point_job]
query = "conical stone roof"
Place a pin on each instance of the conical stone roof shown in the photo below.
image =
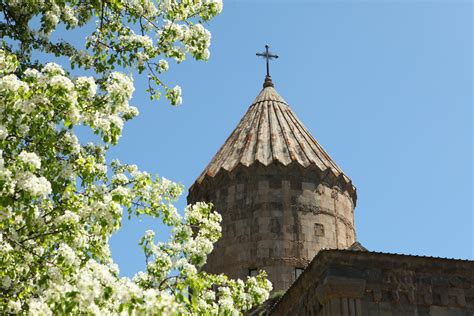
(270, 132)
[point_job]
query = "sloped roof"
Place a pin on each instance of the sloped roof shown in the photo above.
(313, 273)
(270, 132)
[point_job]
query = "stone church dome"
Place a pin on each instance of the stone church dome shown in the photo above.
(281, 197)
(270, 132)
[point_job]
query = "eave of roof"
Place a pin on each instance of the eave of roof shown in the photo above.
(325, 256)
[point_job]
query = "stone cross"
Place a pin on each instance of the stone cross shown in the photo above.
(268, 56)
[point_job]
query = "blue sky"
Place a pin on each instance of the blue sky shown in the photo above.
(384, 86)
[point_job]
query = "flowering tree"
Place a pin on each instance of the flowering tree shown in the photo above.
(60, 201)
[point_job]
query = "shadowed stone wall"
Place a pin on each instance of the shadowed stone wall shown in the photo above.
(276, 218)
(349, 283)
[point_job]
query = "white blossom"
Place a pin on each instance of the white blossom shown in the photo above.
(69, 16)
(149, 234)
(53, 69)
(7, 63)
(119, 86)
(175, 95)
(122, 192)
(11, 83)
(3, 132)
(67, 254)
(116, 121)
(120, 178)
(31, 73)
(71, 141)
(14, 307)
(39, 308)
(31, 159)
(87, 85)
(36, 186)
(51, 19)
(69, 217)
(138, 40)
(130, 112)
(61, 82)
(6, 282)
(163, 65)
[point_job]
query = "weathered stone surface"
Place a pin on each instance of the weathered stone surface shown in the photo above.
(276, 228)
(353, 283)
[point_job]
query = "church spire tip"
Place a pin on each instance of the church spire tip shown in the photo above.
(268, 82)
(268, 56)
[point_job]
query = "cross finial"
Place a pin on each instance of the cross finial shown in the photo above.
(268, 56)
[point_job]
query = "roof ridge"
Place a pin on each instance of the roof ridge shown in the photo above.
(269, 93)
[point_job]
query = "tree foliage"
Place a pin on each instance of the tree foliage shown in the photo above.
(60, 200)
(137, 34)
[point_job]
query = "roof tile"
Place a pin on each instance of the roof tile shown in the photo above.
(270, 132)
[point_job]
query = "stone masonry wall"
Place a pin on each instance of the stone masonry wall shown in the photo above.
(349, 283)
(275, 218)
